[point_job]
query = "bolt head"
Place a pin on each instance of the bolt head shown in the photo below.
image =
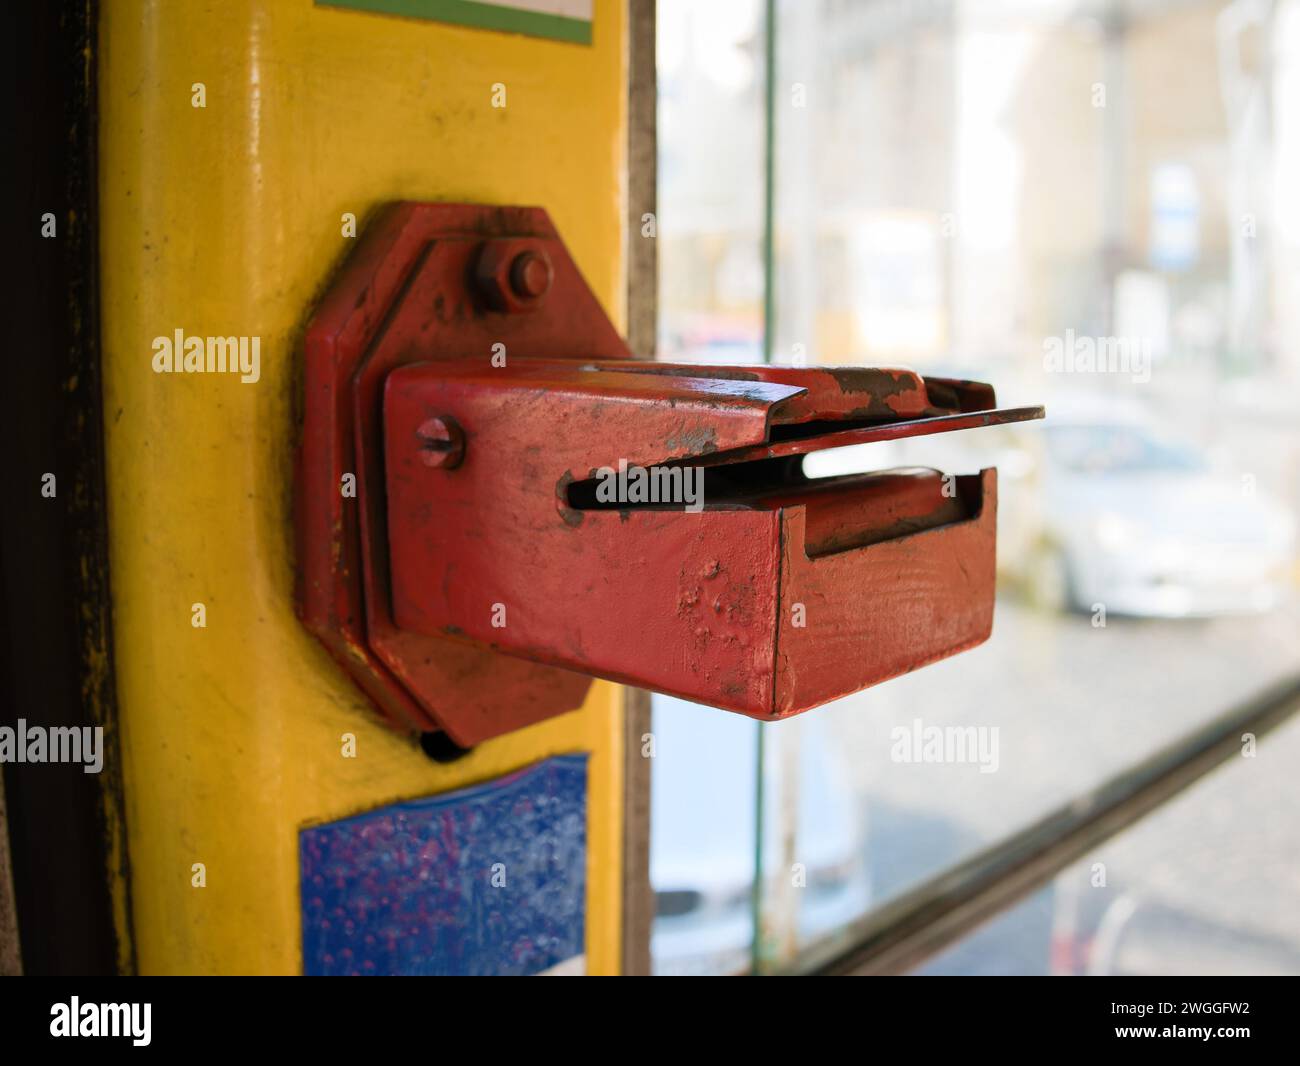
(530, 275)
(513, 274)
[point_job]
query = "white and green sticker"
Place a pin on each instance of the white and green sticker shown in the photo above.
(559, 20)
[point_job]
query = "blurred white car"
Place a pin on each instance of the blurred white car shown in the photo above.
(1141, 523)
(702, 837)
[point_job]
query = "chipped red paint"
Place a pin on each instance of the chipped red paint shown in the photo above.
(433, 569)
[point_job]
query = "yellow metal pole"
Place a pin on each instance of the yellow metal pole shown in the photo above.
(226, 219)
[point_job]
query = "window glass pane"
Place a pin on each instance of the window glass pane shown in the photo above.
(1092, 206)
(711, 129)
(702, 819)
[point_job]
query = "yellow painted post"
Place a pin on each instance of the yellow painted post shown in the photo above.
(227, 219)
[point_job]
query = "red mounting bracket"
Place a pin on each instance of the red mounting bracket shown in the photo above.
(427, 282)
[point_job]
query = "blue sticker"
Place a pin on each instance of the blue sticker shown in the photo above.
(488, 880)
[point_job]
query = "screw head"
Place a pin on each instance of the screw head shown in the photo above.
(442, 442)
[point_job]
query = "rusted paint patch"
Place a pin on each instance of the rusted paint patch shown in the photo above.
(701, 441)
